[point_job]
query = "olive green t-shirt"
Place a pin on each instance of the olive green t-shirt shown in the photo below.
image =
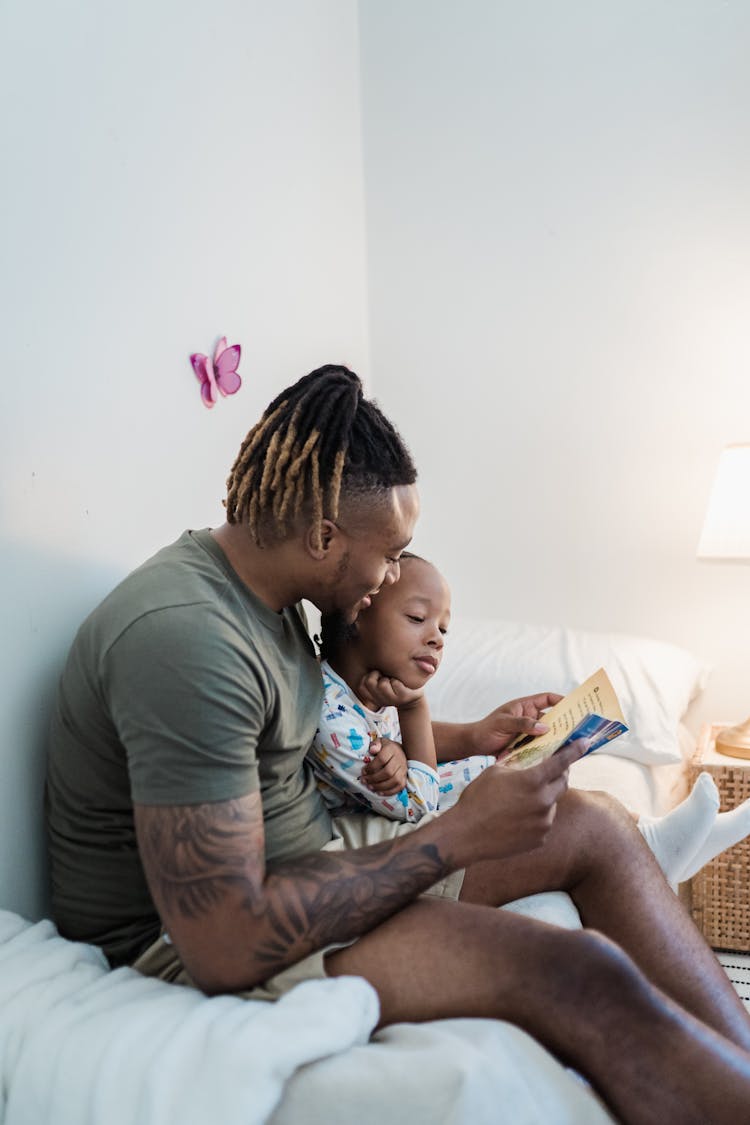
(181, 687)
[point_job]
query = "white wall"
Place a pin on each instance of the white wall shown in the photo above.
(559, 284)
(558, 244)
(173, 171)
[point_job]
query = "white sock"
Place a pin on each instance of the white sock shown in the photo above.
(728, 829)
(675, 838)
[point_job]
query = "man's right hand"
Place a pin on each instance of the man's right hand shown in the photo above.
(506, 811)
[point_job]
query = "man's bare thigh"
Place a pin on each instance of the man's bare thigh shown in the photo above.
(440, 959)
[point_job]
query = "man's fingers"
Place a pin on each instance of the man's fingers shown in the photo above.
(562, 759)
(541, 701)
(524, 724)
(545, 699)
(557, 764)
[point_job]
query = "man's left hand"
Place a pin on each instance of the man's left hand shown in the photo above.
(493, 734)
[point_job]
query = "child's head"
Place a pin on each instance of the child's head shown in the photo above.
(401, 633)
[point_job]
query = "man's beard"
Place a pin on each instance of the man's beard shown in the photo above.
(336, 630)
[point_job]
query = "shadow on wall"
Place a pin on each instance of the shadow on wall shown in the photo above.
(45, 598)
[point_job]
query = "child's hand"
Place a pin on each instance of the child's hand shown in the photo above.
(376, 691)
(385, 771)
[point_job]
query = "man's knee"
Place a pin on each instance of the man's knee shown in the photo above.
(587, 973)
(595, 803)
(583, 995)
(602, 823)
(604, 968)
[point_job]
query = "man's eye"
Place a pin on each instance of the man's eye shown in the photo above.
(390, 560)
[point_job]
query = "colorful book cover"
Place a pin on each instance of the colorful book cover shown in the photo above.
(591, 711)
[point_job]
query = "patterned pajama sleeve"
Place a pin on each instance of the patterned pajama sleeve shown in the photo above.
(340, 750)
(456, 775)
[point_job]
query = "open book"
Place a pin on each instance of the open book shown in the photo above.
(590, 711)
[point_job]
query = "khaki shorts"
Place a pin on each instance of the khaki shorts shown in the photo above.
(162, 960)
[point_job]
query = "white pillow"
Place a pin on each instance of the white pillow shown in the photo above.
(490, 662)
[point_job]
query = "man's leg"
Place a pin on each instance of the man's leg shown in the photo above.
(595, 852)
(574, 991)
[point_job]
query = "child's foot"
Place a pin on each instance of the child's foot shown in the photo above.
(677, 837)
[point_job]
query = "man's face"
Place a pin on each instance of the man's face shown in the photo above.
(402, 633)
(369, 552)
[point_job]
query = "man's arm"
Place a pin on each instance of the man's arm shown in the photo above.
(236, 924)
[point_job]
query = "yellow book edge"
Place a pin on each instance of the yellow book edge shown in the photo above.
(594, 697)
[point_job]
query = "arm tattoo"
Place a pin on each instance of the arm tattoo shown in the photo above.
(194, 853)
(334, 896)
(205, 860)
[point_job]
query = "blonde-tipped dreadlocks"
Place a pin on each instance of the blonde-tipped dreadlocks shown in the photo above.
(317, 439)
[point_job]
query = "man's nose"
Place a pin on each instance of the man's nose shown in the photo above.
(393, 573)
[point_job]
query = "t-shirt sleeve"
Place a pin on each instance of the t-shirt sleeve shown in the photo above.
(188, 707)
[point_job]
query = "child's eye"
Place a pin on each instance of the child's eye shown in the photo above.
(413, 617)
(444, 632)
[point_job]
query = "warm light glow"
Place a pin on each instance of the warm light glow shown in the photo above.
(726, 529)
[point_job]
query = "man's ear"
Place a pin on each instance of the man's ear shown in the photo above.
(321, 542)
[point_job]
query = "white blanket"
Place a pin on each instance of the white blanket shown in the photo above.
(447, 1072)
(80, 1045)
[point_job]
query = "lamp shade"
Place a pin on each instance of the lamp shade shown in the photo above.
(726, 528)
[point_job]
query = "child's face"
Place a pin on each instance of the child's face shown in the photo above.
(402, 633)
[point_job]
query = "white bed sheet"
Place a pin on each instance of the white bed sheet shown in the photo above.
(447, 1072)
(80, 1045)
(651, 790)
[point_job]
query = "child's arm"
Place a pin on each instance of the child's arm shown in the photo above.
(417, 739)
(339, 756)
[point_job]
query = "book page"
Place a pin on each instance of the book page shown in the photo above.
(594, 697)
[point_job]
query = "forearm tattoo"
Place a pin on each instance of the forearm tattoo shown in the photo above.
(330, 896)
(200, 859)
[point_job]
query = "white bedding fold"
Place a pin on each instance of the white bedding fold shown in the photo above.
(80, 1045)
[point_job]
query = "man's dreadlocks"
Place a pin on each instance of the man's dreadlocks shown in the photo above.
(317, 440)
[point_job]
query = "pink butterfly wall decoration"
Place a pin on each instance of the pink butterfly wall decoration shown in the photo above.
(218, 375)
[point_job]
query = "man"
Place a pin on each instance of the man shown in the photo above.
(178, 800)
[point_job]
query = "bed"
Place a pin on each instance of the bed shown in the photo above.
(82, 1044)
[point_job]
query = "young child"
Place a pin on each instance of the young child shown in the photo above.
(374, 711)
(368, 718)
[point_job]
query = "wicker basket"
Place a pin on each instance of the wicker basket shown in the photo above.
(720, 892)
